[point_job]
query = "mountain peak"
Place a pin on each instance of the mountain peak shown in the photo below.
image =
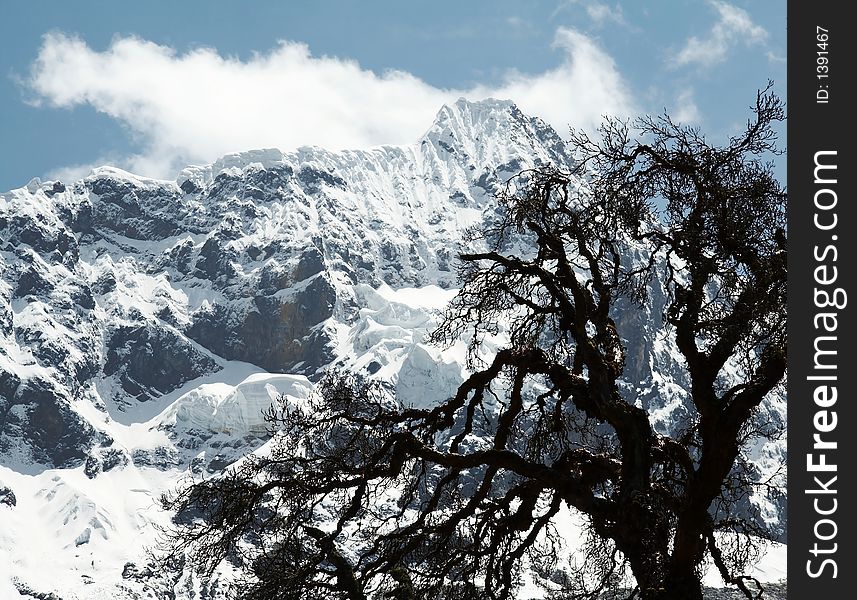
(235, 161)
(488, 132)
(465, 117)
(479, 110)
(493, 131)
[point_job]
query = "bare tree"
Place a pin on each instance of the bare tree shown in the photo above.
(362, 497)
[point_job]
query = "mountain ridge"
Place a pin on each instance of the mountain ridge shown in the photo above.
(135, 313)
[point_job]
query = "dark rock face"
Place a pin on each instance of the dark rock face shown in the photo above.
(160, 458)
(7, 496)
(189, 187)
(311, 263)
(35, 416)
(59, 435)
(214, 261)
(86, 339)
(313, 178)
(9, 383)
(57, 188)
(270, 180)
(112, 458)
(276, 334)
(150, 362)
(31, 282)
(103, 460)
(92, 467)
(38, 236)
(132, 212)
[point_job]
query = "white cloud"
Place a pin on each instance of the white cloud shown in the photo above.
(197, 106)
(584, 88)
(598, 12)
(78, 171)
(775, 58)
(686, 111)
(601, 14)
(732, 27)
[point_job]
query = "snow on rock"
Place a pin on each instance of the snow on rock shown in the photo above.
(238, 410)
(70, 535)
(426, 378)
(7, 496)
(145, 325)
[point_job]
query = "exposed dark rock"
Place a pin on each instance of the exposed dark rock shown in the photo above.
(80, 221)
(313, 179)
(167, 315)
(160, 458)
(511, 167)
(273, 277)
(82, 296)
(180, 256)
(58, 435)
(103, 460)
(135, 226)
(487, 181)
(632, 327)
(459, 198)
(271, 179)
(223, 182)
(105, 284)
(444, 259)
(57, 188)
(92, 467)
(34, 414)
(189, 187)
(38, 236)
(254, 252)
(108, 187)
(6, 322)
(214, 261)
(446, 146)
(46, 350)
(7, 496)
(373, 367)
(119, 208)
(310, 263)
(27, 591)
(9, 383)
(131, 571)
(112, 458)
(272, 333)
(150, 361)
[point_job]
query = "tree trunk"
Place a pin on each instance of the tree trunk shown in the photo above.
(660, 578)
(675, 586)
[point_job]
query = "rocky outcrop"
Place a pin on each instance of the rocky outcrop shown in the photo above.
(280, 334)
(149, 361)
(37, 422)
(7, 496)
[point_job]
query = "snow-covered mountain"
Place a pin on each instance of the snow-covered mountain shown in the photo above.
(145, 324)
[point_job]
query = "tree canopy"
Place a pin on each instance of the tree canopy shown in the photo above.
(362, 497)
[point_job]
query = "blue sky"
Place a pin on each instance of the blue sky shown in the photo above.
(152, 86)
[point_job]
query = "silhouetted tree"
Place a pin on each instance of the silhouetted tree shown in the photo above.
(361, 497)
